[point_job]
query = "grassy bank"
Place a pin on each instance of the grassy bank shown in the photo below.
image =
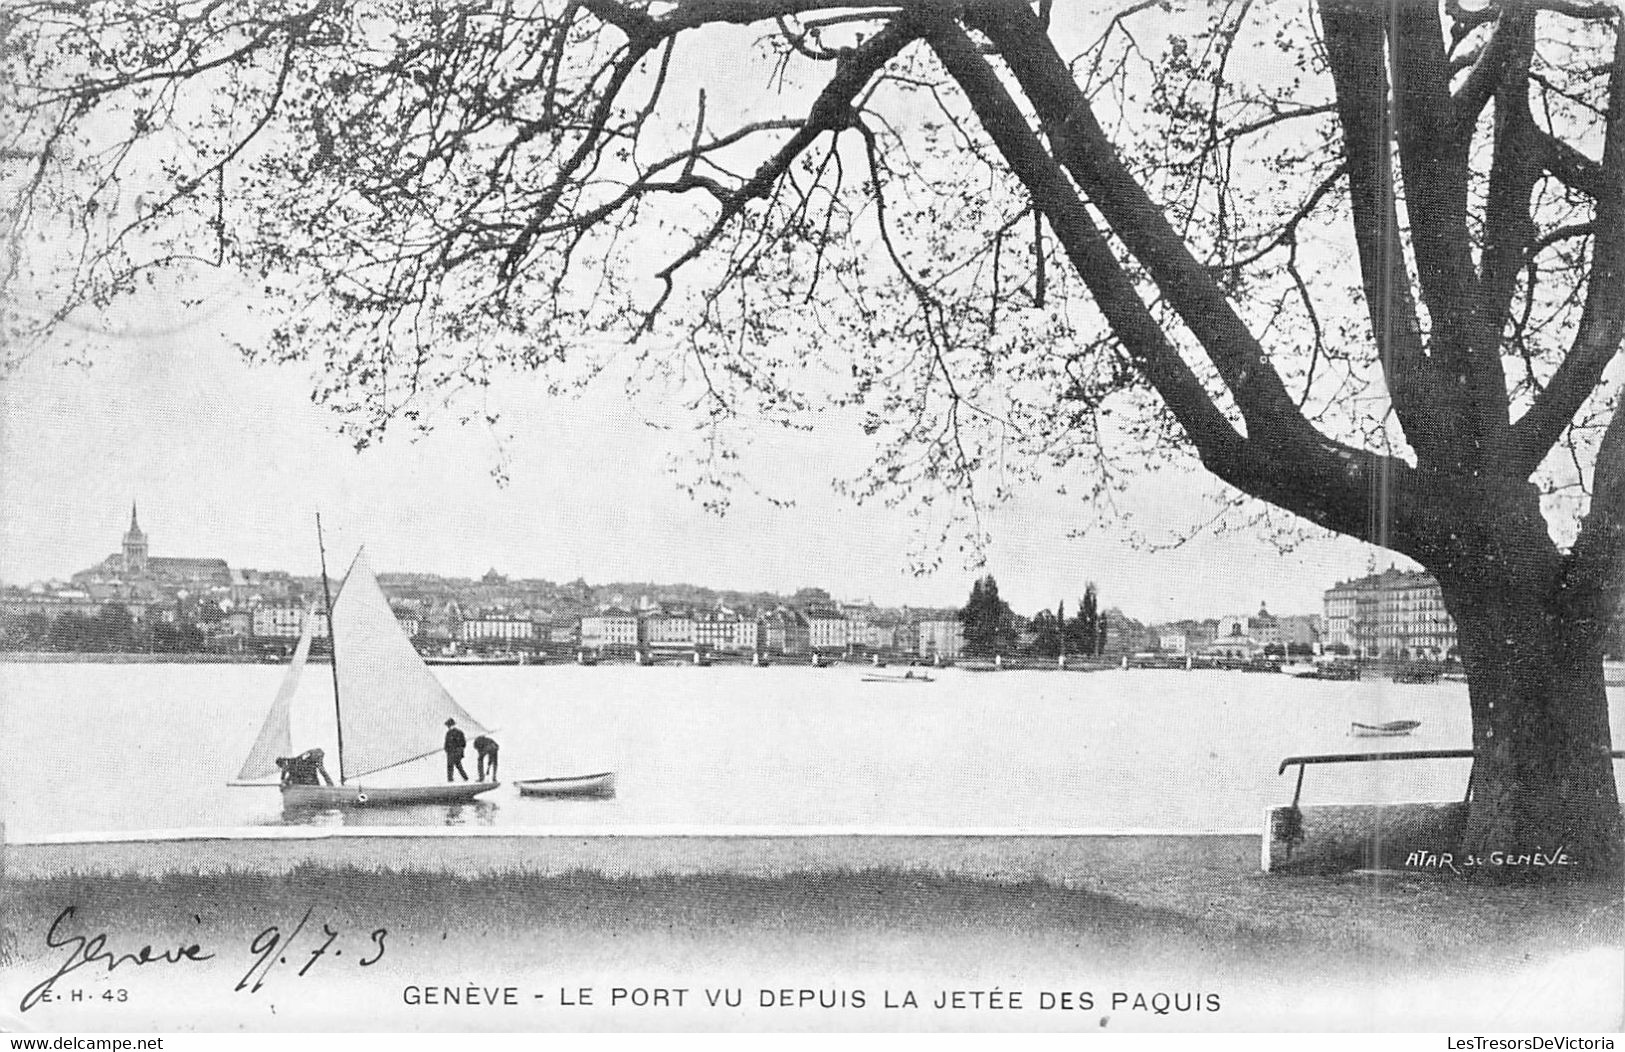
(1225, 917)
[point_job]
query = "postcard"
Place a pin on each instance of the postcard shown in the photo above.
(801, 516)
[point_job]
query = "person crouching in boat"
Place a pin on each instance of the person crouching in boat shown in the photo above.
(485, 749)
(308, 768)
(456, 742)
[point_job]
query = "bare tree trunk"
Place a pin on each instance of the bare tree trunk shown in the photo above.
(1544, 804)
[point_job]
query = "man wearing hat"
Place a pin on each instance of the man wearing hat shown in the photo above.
(455, 743)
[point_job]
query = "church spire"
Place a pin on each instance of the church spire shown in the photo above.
(135, 546)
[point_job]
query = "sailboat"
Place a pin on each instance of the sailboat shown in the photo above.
(388, 707)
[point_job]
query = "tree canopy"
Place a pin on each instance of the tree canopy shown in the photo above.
(989, 623)
(433, 194)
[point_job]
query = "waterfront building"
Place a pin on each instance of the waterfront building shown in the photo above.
(1393, 614)
(17, 602)
(1300, 633)
(1231, 627)
(747, 634)
(1185, 637)
(1236, 647)
(1264, 628)
(887, 629)
(1350, 612)
(668, 630)
(727, 630)
(713, 629)
(1233, 638)
(941, 638)
(495, 628)
(609, 628)
(284, 621)
(1123, 634)
(905, 635)
(276, 620)
(867, 628)
(827, 630)
(785, 631)
(249, 586)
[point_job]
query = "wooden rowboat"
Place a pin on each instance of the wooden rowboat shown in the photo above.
(601, 784)
(1391, 729)
(907, 677)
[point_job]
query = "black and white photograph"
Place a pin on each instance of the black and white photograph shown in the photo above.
(768, 516)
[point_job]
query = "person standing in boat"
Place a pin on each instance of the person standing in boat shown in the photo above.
(485, 750)
(455, 744)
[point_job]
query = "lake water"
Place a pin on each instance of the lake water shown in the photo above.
(100, 748)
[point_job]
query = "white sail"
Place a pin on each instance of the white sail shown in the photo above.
(391, 708)
(275, 737)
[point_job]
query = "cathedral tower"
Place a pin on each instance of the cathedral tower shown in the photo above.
(135, 547)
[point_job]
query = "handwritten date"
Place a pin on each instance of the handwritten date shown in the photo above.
(270, 950)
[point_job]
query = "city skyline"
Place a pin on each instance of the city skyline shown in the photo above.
(652, 590)
(233, 461)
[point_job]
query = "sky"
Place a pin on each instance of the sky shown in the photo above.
(234, 461)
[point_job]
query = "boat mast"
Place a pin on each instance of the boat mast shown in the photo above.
(332, 645)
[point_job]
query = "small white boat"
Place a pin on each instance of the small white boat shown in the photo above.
(600, 784)
(1391, 729)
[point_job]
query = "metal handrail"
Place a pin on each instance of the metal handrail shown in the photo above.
(1361, 757)
(1302, 762)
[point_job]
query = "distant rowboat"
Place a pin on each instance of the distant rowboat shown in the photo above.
(473, 659)
(1333, 670)
(1391, 729)
(601, 784)
(907, 677)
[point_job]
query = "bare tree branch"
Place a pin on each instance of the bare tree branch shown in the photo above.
(1602, 320)
(1421, 395)
(1084, 150)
